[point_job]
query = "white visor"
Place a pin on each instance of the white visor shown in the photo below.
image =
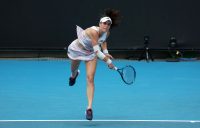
(104, 19)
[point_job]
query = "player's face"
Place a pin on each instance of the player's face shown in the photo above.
(105, 26)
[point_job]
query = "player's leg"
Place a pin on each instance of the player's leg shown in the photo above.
(74, 71)
(90, 70)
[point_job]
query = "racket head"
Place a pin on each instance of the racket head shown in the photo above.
(128, 74)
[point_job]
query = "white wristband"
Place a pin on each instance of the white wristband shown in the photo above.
(105, 51)
(109, 61)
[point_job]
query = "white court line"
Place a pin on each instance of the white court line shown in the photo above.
(178, 121)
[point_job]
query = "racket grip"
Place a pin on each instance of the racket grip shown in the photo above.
(115, 68)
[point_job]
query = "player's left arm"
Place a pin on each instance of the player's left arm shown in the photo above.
(105, 48)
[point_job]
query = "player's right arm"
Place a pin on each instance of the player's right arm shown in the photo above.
(94, 36)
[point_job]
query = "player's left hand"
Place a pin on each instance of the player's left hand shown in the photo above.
(109, 56)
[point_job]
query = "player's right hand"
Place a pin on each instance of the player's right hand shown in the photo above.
(111, 66)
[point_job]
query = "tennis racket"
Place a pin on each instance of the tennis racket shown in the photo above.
(127, 73)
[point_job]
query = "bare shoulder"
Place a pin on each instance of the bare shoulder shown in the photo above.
(91, 32)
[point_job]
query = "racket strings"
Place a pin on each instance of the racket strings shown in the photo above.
(128, 74)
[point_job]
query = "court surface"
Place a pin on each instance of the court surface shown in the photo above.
(35, 93)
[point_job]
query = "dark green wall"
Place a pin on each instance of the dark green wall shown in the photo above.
(50, 24)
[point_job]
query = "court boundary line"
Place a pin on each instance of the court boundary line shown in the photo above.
(172, 121)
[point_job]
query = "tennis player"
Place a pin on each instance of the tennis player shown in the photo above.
(90, 45)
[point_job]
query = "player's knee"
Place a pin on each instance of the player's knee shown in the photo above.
(90, 79)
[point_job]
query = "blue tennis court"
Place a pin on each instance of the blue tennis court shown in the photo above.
(35, 93)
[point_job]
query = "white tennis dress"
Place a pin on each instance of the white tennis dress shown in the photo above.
(81, 48)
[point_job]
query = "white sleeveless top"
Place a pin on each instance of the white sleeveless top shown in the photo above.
(86, 41)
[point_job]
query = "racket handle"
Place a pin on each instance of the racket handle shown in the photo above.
(115, 68)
